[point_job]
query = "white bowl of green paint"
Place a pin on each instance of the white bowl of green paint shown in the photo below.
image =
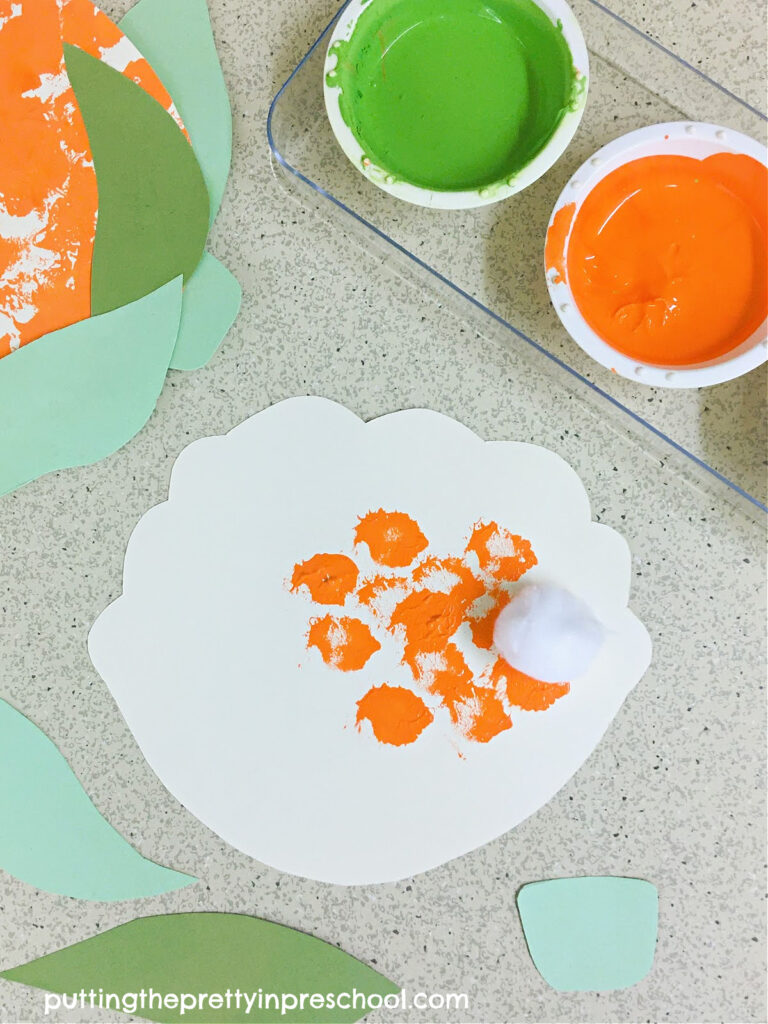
(455, 103)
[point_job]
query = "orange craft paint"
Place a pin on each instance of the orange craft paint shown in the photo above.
(667, 257)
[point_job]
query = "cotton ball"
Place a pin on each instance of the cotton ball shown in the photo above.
(548, 633)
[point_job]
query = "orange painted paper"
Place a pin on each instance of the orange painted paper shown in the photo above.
(48, 188)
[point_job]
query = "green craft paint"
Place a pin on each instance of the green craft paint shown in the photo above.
(454, 95)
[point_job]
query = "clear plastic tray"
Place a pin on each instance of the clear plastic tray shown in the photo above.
(487, 264)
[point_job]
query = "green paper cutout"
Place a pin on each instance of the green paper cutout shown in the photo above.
(153, 203)
(52, 836)
(212, 299)
(207, 953)
(175, 37)
(590, 934)
(76, 395)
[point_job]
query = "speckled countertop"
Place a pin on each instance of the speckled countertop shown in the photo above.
(674, 793)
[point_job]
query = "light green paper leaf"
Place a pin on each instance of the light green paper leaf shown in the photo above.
(592, 933)
(175, 37)
(212, 299)
(153, 202)
(52, 836)
(76, 395)
(208, 953)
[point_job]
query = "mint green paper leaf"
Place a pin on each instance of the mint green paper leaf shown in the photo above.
(188, 954)
(52, 836)
(76, 395)
(153, 203)
(590, 934)
(211, 302)
(175, 37)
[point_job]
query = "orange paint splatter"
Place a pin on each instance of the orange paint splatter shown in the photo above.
(330, 579)
(476, 710)
(465, 591)
(557, 236)
(502, 554)
(344, 643)
(397, 715)
(482, 627)
(371, 589)
(482, 716)
(524, 691)
(393, 538)
(668, 257)
(48, 190)
(424, 610)
(446, 675)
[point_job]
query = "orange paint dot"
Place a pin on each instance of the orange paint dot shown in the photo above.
(393, 538)
(482, 716)
(328, 578)
(668, 257)
(502, 554)
(344, 643)
(397, 715)
(524, 691)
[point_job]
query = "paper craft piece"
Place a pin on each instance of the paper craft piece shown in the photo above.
(267, 964)
(79, 394)
(153, 203)
(176, 37)
(48, 191)
(102, 201)
(243, 631)
(52, 835)
(590, 934)
(212, 299)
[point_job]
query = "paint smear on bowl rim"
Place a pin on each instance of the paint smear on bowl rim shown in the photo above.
(667, 256)
(423, 610)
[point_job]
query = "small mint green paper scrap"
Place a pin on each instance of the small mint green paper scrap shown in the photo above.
(212, 299)
(52, 836)
(212, 954)
(76, 395)
(175, 37)
(590, 934)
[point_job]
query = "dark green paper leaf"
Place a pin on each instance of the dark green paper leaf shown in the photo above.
(153, 202)
(208, 953)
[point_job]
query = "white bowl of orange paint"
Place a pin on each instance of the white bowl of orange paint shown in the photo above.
(657, 255)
